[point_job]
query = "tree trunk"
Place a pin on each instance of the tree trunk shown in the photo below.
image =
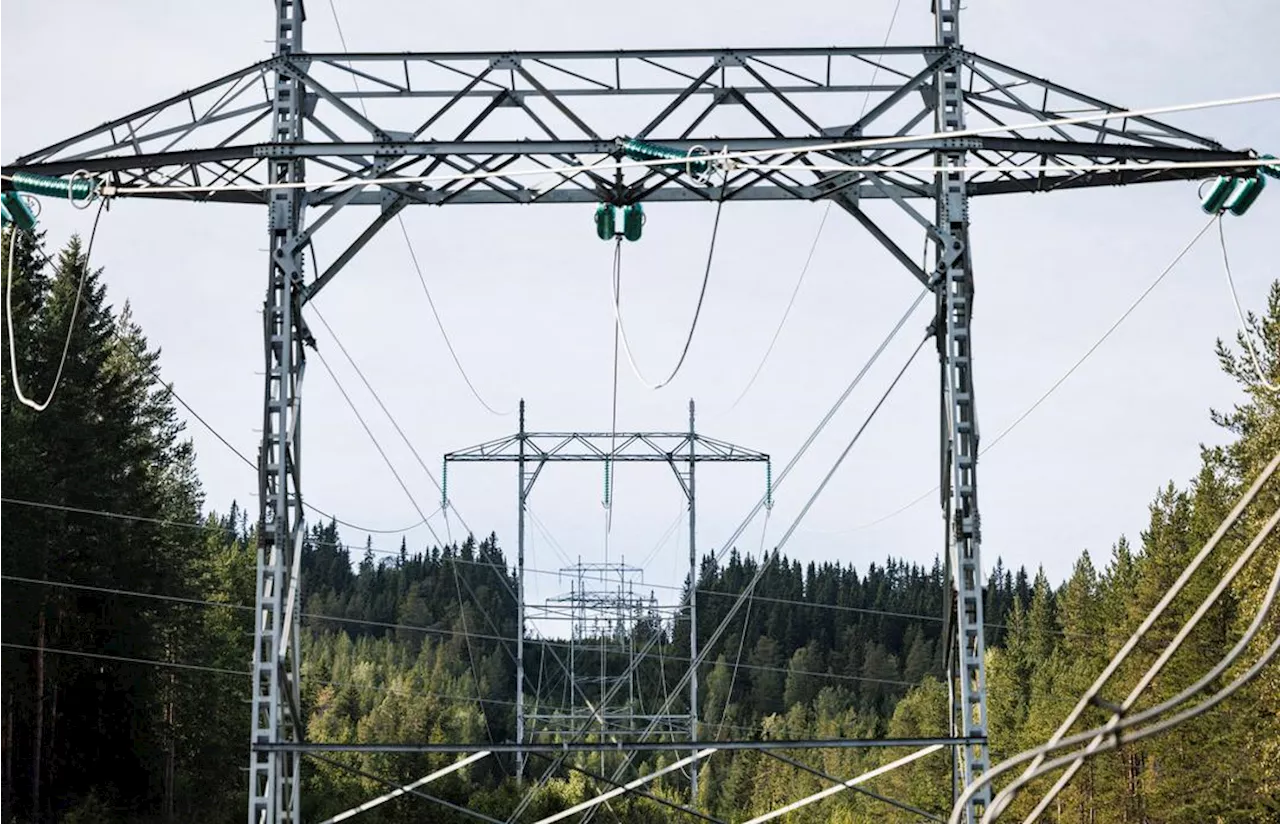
(37, 750)
(6, 796)
(170, 715)
(51, 735)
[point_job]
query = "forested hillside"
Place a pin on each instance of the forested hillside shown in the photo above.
(127, 628)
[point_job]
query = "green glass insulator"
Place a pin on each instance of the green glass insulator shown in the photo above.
(81, 188)
(604, 221)
(1244, 194)
(632, 221)
(17, 212)
(1218, 194)
(644, 150)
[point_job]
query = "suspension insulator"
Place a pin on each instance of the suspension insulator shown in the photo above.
(632, 221)
(1272, 169)
(17, 212)
(644, 150)
(1244, 194)
(77, 188)
(604, 221)
(1218, 194)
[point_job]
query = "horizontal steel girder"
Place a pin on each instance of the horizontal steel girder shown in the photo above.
(621, 447)
(436, 114)
(619, 746)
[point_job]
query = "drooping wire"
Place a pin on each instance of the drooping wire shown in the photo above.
(167, 386)
(813, 247)
(697, 312)
(1245, 331)
(786, 313)
(453, 353)
(609, 472)
(390, 417)
(413, 256)
(378, 446)
(71, 325)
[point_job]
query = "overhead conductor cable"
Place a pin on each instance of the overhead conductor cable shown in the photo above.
(697, 312)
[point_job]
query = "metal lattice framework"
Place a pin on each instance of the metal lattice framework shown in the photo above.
(255, 135)
(682, 451)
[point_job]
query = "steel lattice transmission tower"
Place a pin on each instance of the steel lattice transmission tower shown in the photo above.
(507, 112)
(588, 611)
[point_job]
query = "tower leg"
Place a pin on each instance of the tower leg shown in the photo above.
(693, 609)
(274, 778)
(955, 298)
(523, 500)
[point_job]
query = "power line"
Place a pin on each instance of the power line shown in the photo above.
(404, 627)
(455, 560)
(697, 311)
(1054, 386)
(786, 313)
(413, 256)
(71, 324)
(244, 673)
(453, 353)
(760, 572)
(378, 398)
(1245, 331)
(813, 247)
(126, 659)
(378, 446)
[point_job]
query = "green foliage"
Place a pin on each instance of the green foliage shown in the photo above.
(410, 646)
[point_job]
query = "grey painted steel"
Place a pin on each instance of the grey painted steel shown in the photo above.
(954, 288)
(510, 112)
(507, 110)
(693, 604)
(621, 746)
(275, 777)
(672, 448)
(522, 505)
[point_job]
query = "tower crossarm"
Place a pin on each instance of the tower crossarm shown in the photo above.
(533, 124)
(621, 447)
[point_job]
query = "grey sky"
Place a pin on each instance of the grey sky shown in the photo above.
(524, 292)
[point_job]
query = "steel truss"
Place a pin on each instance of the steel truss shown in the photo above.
(531, 452)
(300, 116)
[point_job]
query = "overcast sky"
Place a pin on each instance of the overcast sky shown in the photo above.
(524, 293)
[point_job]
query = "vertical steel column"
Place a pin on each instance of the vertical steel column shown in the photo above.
(524, 494)
(955, 292)
(274, 784)
(693, 607)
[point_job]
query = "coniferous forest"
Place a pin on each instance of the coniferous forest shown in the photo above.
(128, 624)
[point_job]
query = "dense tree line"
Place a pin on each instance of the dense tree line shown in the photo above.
(122, 707)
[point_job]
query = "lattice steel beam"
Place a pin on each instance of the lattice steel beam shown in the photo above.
(526, 111)
(275, 777)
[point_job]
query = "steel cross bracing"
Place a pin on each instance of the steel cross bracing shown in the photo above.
(300, 116)
(275, 777)
(506, 112)
(954, 289)
(532, 451)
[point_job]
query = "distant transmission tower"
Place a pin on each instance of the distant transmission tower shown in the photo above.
(595, 611)
(606, 618)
